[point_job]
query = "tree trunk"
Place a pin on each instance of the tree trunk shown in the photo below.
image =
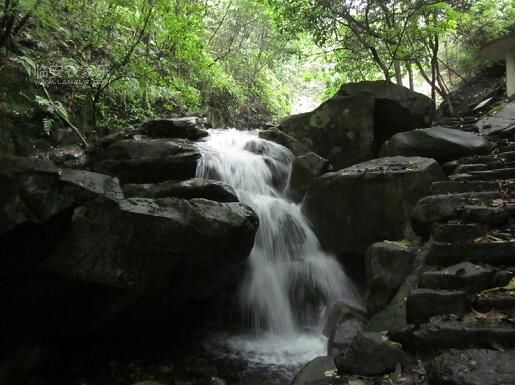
(410, 76)
(398, 72)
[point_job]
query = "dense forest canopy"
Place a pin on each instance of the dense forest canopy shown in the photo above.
(99, 64)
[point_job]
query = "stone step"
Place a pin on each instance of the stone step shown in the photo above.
(442, 208)
(465, 276)
(502, 300)
(453, 187)
(507, 148)
(457, 232)
(493, 253)
(422, 304)
(492, 216)
(495, 174)
(470, 333)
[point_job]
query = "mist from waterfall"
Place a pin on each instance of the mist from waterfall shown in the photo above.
(289, 279)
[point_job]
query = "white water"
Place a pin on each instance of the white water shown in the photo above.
(289, 280)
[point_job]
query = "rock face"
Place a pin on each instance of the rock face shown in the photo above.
(352, 208)
(397, 109)
(340, 129)
(440, 143)
(188, 189)
(315, 371)
(149, 160)
(305, 170)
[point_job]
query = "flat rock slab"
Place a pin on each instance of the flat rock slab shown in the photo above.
(185, 128)
(149, 160)
(369, 202)
(188, 189)
(472, 367)
(474, 333)
(453, 187)
(440, 143)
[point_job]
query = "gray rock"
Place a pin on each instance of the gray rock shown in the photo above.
(387, 266)
(352, 208)
(340, 129)
(440, 143)
(149, 160)
(315, 371)
(493, 253)
(457, 232)
(370, 354)
(422, 304)
(339, 312)
(396, 109)
(188, 189)
(305, 170)
(472, 367)
(113, 244)
(342, 337)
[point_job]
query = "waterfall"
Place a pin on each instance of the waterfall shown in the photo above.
(289, 279)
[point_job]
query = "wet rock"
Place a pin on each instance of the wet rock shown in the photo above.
(387, 266)
(463, 276)
(315, 371)
(275, 135)
(342, 336)
(339, 312)
(305, 170)
(352, 208)
(370, 354)
(472, 367)
(149, 160)
(188, 189)
(72, 156)
(340, 129)
(422, 304)
(440, 143)
(396, 108)
(182, 128)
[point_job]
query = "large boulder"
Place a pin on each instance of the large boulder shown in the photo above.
(352, 208)
(340, 129)
(107, 266)
(149, 160)
(396, 109)
(440, 143)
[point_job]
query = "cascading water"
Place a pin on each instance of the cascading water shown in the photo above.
(289, 279)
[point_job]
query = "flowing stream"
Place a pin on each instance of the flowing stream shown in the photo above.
(289, 280)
